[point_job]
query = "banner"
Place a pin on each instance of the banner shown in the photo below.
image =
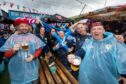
(16, 14)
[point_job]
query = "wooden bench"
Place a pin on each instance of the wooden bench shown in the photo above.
(62, 75)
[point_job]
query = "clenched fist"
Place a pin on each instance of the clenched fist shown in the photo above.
(120, 38)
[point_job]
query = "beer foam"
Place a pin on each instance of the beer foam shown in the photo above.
(24, 44)
(76, 61)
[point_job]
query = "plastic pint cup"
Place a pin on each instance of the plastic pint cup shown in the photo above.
(75, 63)
(25, 46)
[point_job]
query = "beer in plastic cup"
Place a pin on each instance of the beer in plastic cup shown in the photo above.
(25, 46)
(75, 63)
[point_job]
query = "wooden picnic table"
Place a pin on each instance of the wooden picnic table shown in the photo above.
(62, 75)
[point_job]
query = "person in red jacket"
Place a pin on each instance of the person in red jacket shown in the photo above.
(23, 49)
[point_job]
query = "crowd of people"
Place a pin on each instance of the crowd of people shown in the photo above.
(102, 53)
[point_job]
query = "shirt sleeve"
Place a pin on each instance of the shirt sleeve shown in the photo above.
(9, 53)
(38, 52)
(80, 53)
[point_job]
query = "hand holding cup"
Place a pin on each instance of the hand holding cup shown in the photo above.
(70, 57)
(16, 47)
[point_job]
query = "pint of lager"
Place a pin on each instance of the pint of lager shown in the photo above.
(25, 46)
(75, 63)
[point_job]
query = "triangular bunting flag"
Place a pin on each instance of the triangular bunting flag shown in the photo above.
(11, 5)
(4, 3)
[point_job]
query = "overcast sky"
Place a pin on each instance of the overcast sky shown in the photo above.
(64, 7)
